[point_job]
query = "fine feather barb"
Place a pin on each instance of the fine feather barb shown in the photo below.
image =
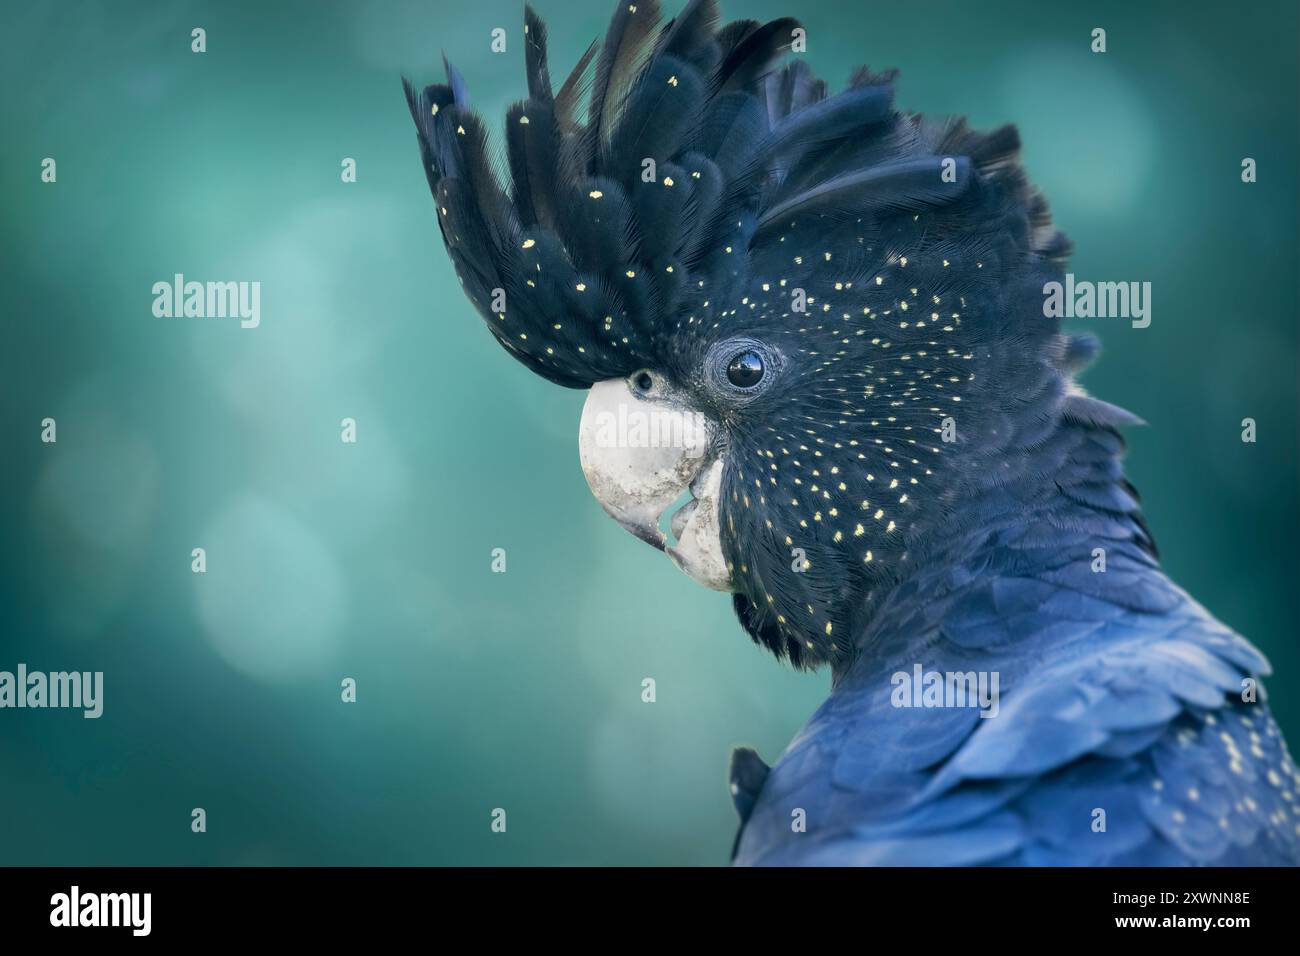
(535, 61)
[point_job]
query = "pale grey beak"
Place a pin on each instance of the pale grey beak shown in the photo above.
(639, 455)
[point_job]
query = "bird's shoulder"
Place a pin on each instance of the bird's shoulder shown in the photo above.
(1129, 728)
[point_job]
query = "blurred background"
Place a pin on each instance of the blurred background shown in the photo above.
(372, 561)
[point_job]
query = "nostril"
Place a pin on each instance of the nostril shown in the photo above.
(643, 382)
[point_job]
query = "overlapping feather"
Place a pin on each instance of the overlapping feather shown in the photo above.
(739, 148)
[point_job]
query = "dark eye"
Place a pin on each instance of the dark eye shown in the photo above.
(745, 370)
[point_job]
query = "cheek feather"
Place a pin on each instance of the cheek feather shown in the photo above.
(871, 381)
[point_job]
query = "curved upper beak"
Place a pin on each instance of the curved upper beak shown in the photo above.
(639, 455)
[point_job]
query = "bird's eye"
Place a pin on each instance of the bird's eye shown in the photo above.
(745, 370)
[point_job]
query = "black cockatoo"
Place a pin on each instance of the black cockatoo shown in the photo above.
(825, 319)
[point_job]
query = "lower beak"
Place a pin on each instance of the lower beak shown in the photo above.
(639, 455)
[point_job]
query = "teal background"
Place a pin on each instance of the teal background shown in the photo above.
(325, 560)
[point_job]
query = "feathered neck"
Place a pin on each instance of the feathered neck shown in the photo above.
(1059, 509)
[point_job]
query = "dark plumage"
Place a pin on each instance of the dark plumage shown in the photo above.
(920, 252)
